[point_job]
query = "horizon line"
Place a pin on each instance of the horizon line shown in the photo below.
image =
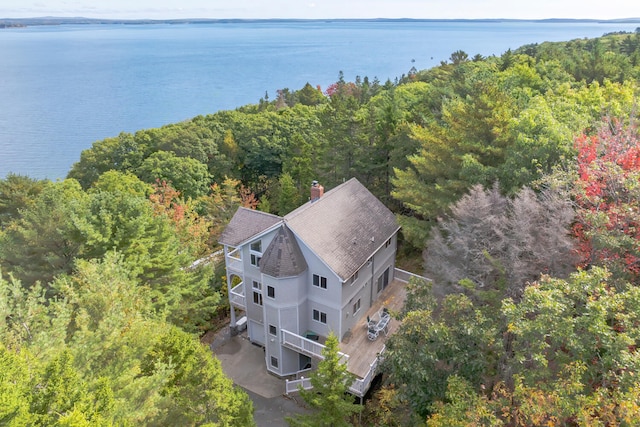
(54, 17)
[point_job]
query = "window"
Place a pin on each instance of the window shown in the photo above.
(255, 260)
(257, 294)
(273, 330)
(383, 280)
(257, 246)
(356, 306)
(353, 278)
(271, 291)
(319, 281)
(256, 252)
(388, 243)
(274, 361)
(319, 316)
(257, 298)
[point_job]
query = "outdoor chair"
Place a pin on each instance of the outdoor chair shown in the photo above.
(371, 323)
(372, 334)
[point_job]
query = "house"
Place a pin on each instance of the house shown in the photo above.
(318, 269)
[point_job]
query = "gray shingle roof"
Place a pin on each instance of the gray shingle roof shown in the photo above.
(245, 224)
(283, 257)
(344, 227)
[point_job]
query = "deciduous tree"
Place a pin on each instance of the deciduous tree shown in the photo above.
(187, 175)
(435, 342)
(607, 192)
(17, 192)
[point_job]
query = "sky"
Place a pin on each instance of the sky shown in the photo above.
(322, 9)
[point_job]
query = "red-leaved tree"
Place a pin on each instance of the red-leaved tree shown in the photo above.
(607, 193)
(192, 229)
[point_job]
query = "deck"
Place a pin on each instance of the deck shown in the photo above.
(362, 351)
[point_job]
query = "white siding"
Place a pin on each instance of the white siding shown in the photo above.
(252, 273)
(365, 288)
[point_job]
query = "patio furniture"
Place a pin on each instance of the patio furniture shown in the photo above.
(372, 334)
(383, 323)
(311, 336)
(371, 323)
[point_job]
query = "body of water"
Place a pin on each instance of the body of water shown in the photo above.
(64, 87)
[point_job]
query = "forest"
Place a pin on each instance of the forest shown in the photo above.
(515, 178)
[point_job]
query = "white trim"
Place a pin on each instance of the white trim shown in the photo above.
(274, 292)
(320, 313)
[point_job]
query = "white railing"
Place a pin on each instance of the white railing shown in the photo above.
(234, 260)
(292, 386)
(237, 297)
(305, 346)
(360, 386)
(404, 276)
(303, 371)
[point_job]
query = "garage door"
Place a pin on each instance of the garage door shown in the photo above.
(256, 332)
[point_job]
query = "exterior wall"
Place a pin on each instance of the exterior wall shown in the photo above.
(383, 260)
(327, 301)
(365, 287)
(254, 312)
(358, 290)
(332, 295)
(282, 312)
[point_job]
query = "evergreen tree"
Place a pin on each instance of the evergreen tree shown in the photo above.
(196, 385)
(329, 396)
(288, 195)
(309, 95)
(44, 241)
(14, 387)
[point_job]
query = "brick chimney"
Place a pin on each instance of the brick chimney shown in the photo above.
(317, 191)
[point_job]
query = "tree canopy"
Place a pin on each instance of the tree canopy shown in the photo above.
(505, 172)
(99, 355)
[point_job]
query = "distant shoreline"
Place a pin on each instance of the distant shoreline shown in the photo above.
(51, 20)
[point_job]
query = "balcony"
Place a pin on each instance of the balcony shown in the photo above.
(233, 261)
(237, 297)
(305, 346)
